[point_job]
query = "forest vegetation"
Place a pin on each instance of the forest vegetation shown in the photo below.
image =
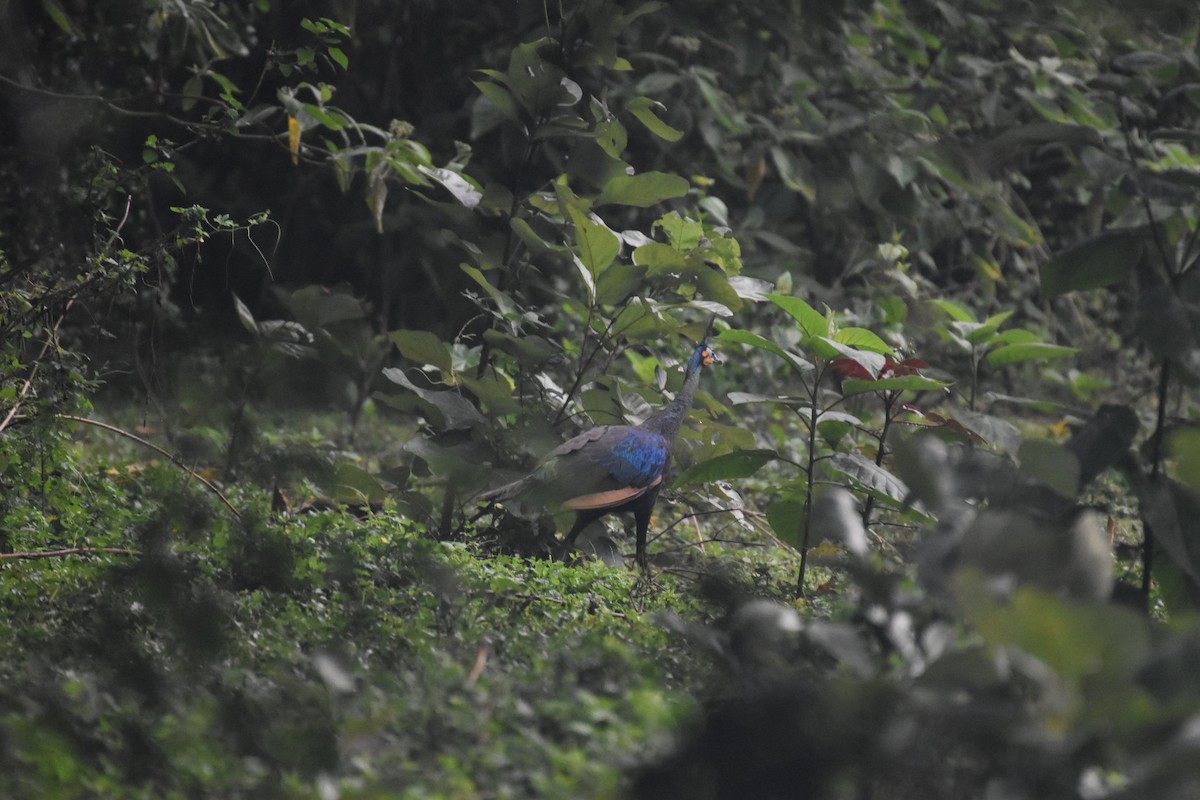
(287, 288)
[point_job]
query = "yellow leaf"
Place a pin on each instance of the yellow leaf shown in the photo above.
(294, 138)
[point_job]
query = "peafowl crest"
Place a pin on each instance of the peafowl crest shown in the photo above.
(609, 469)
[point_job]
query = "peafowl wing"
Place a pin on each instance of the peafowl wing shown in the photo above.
(602, 468)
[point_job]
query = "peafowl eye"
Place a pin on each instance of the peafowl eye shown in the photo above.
(611, 469)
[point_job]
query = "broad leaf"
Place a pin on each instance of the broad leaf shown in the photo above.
(1051, 464)
(786, 518)
(659, 258)
(596, 244)
(812, 322)
(871, 476)
(727, 467)
(955, 311)
(1092, 264)
(456, 412)
(1173, 514)
(838, 519)
(423, 347)
(754, 340)
(903, 383)
(462, 189)
(643, 190)
(1028, 351)
(685, 233)
(863, 339)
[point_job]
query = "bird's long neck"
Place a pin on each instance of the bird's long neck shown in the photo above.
(666, 421)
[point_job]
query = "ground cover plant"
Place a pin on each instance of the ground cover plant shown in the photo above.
(284, 290)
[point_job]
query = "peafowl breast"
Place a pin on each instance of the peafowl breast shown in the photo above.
(611, 468)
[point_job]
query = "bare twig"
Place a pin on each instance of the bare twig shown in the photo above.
(37, 363)
(67, 551)
(174, 458)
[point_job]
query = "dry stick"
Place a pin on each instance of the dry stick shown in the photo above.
(174, 459)
(67, 551)
(37, 363)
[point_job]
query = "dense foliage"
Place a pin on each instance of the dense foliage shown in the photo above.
(283, 287)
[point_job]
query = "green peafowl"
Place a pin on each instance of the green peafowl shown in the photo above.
(610, 469)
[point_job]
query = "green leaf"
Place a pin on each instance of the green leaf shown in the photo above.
(339, 57)
(715, 286)
(903, 383)
(643, 190)
(812, 322)
(721, 107)
(837, 519)
(987, 329)
(612, 137)
(351, 483)
(494, 392)
(502, 99)
(502, 300)
(317, 307)
(863, 339)
(685, 233)
(659, 258)
(727, 467)
(456, 412)
(1185, 449)
(870, 476)
(955, 311)
(1173, 513)
(1051, 464)
(792, 171)
(423, 347)
(1080, 642)
(463, 190)
(596, 245)
(245, 316)
(1163, 323)
(754, 340)
(618, 282)
(828, 349)
(641, 108)
(55, 11)
(786, 518)
(1092, 264)
(1028, 351)
(531, 351)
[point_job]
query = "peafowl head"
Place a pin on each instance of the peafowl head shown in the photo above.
(704, 356)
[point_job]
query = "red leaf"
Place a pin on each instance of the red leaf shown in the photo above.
(849, 368)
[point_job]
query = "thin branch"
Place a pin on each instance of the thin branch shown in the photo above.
(174, 458)
(67, 551)
(37, 363)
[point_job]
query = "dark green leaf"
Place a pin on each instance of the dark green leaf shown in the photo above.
(596, 245)
(456, 412)
(1092, 264)
(423, 347)
(727, 467)
(786, 518)
(1051, 464)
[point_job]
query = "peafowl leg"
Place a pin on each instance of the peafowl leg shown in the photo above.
(582, 520)
(642, 519)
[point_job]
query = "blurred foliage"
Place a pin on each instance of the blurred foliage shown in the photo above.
(366, 258)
